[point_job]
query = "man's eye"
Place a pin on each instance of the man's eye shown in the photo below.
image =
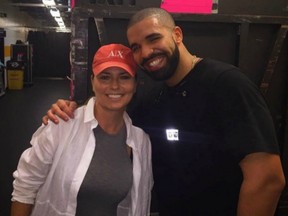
(155, 38)
(134, 48)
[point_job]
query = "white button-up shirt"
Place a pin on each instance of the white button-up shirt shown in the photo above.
(50, 173)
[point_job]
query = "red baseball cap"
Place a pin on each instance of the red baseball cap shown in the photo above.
(114, 55)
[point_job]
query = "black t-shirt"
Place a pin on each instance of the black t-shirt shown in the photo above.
(200, 130)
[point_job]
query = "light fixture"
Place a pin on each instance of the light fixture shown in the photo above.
(58, 19)
(54, 12)
(61, 24)
(48, 2)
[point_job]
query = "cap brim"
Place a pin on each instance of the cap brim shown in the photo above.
(99, 68)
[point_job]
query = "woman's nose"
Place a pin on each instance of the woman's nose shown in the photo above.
(115, 83)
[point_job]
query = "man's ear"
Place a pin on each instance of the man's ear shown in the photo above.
(177, 34)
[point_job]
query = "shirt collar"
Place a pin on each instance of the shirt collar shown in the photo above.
(89, 117)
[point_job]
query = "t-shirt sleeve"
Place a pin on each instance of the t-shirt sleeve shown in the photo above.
(243, 115)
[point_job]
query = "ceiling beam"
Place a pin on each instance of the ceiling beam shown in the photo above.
(37, 5)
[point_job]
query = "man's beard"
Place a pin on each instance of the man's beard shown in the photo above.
(168, 70)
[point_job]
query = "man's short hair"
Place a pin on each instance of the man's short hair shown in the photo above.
(162, 15)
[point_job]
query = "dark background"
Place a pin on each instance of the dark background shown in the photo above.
(249, 34)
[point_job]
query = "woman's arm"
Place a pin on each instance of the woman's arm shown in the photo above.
(20, 209)
(32, 169)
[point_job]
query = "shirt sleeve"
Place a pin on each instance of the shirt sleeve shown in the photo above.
(148, 167)
(243, 115)
(34, 165)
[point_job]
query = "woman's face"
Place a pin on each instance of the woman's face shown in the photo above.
(113, 88)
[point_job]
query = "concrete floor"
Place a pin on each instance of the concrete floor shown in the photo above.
(21, 112)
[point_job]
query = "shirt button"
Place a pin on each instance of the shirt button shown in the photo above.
(184, 93)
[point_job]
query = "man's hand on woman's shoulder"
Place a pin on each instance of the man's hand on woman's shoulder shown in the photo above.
(63, 109)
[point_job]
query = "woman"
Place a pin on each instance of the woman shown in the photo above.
(98, 163)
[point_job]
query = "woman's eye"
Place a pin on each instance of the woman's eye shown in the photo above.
(125, 77)
(104, 77)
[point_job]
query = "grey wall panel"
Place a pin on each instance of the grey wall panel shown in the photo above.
(255, 7)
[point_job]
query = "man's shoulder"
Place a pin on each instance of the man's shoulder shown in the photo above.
(214, 68)
(212, 71)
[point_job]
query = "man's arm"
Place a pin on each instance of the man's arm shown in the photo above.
(63, 109)
(20, 209)
(263, 181)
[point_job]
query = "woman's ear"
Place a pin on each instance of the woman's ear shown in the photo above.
(136, 84)
(92, 79)
(135, 88)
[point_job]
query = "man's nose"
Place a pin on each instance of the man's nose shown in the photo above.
(146, 51)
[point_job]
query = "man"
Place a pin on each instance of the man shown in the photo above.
(213, 142)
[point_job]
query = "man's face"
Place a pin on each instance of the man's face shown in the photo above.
(154, 48)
